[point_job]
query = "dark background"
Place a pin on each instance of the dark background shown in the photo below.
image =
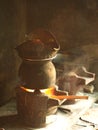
(73, 22)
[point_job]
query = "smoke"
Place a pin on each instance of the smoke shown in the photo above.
(72, 72)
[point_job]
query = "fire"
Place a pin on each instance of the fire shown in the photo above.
(50, 92)
(53, 92)
(61, 95)
(26, 89)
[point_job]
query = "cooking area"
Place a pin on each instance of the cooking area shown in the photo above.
(49, 74)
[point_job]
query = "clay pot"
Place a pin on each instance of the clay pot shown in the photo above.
(40, 44)
(37, 74)
(36, 69)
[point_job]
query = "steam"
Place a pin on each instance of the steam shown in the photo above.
(72, 72)
(89, 78)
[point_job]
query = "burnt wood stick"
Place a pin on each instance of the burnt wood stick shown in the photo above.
(61, 97)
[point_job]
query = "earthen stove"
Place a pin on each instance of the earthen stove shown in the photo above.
(37, 90)
(36, 72)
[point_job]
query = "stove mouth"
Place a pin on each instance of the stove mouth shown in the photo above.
(51, 92)
(34, 106)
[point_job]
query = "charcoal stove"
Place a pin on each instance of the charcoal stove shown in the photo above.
(36, 72)
(37, 75)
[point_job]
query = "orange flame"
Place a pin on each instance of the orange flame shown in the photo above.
(26, 89)
(61, 95)
(56, 94)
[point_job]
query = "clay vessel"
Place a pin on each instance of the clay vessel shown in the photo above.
(37, 74)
